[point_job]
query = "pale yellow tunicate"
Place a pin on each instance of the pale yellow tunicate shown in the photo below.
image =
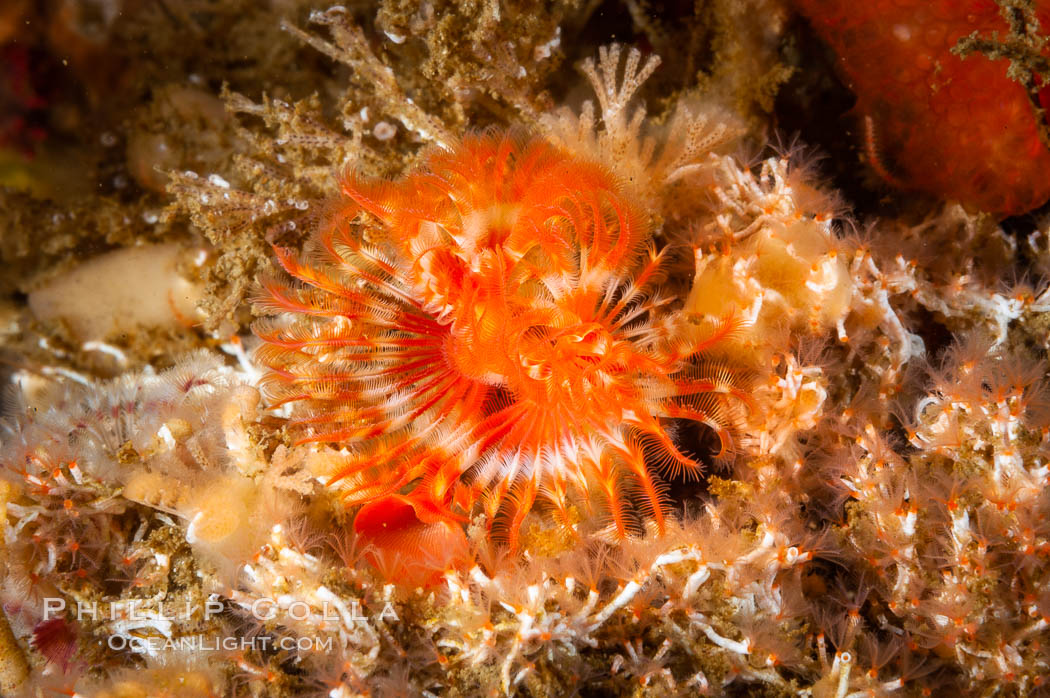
(155, 490)
(14, 669)
(119, 292)
(789, 277)
(221, 510)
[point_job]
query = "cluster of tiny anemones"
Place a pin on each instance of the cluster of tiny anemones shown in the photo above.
(94, 476)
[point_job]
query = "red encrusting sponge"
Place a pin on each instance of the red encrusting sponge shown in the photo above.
(957, 128)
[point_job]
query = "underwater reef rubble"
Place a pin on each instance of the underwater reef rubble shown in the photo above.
(481, 349)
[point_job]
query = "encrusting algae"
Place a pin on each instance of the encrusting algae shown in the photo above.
(499, 388)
